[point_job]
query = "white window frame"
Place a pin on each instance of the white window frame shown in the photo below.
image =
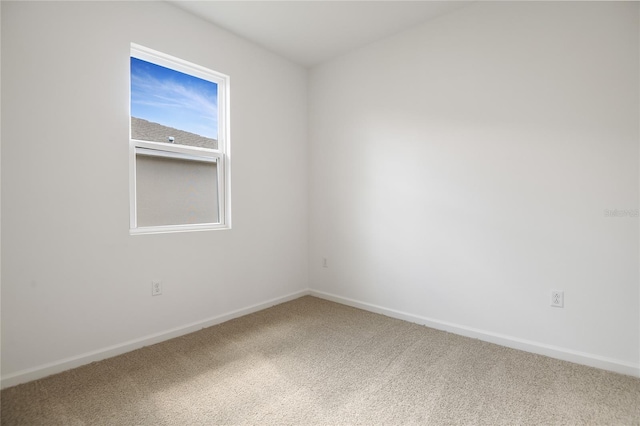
(220, 156)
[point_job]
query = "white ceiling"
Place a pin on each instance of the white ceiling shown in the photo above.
(311, 32)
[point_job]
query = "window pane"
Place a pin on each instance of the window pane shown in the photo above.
(173, 191)
(171, 106)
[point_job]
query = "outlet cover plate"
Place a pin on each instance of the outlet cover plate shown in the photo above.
(156, 288)
(557, 298)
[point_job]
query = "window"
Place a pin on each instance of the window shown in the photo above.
(179, 145)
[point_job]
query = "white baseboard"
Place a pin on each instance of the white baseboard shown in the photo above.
(45, 370)
(564, 354)
(41, 371)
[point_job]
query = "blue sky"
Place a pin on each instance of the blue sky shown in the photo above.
(174, 99)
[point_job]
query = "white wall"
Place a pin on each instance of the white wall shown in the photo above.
(460, 171)
(73, 280)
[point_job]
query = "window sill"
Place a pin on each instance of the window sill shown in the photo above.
(178, 228)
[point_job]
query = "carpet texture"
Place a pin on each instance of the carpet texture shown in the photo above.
(314, 362)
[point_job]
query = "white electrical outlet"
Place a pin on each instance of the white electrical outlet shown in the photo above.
(156, 288)
(557, 298)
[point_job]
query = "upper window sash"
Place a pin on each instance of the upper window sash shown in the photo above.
(177, 64)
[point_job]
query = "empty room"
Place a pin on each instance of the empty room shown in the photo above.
(320, 213)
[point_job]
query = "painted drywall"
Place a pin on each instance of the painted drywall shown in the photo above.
(74, 282)
(463, 169)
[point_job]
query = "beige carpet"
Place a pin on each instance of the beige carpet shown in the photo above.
(310, 362)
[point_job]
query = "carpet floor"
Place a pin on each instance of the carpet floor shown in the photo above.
(314, 362)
